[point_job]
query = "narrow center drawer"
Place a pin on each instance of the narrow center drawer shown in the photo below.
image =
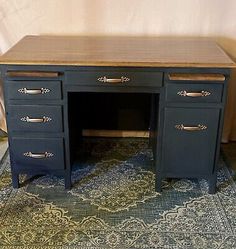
(114, 78)
(194, 92)
(39, 154)
(34, 118)
(33, 90)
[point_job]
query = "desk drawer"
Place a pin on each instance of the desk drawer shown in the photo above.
(33, 90)
(189, 140)
(35, 118)
(37, 153)
(114, 78)
(194, 92)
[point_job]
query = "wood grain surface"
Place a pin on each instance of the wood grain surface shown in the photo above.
(117, 51)
(196, 77)
(32, 74)
(114, 133)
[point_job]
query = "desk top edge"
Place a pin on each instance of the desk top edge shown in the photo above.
(119, 64)
(117, 51)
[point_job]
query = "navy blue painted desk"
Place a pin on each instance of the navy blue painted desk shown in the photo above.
(186, 79)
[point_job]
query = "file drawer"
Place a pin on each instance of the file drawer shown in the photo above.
(37, 154)
(34, 118)
(194, 132)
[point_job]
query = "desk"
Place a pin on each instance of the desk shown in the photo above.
(186, 77)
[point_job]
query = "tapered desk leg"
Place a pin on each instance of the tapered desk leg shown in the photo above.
(158, 183)
(212, 184)
(68, 180)
(15, 180)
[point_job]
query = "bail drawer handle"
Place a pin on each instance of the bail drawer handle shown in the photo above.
(199, 127)
(194, 94)
(38, 155)
(33, 91)
(36, 120)
(122, 79)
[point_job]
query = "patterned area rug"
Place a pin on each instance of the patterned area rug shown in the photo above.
(113, 205)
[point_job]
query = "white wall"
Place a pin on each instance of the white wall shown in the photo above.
(116, 17)
(215, 18)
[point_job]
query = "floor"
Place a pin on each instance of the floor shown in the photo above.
(3, 146)
(113, 204)
(229, 153)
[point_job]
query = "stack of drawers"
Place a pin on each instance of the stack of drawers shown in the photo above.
(35, 123)
(192, 110)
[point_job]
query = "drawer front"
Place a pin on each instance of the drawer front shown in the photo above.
(35, 118)
(194, 92)
(33, 90)
(114, 78)
(189, 140)
(37, 153)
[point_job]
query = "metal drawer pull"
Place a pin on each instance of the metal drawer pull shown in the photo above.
(191, 128)
(36, 120)
(115, 80)
(194, 94)
(38, 155)
(34, 91)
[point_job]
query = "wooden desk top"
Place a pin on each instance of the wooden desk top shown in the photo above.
(117, 51)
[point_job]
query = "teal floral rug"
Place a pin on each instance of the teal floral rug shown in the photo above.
(113, 205)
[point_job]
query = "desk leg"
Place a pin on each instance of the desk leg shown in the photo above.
(212, 184)
(68, 180)
(15, 180)
(158, 183)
